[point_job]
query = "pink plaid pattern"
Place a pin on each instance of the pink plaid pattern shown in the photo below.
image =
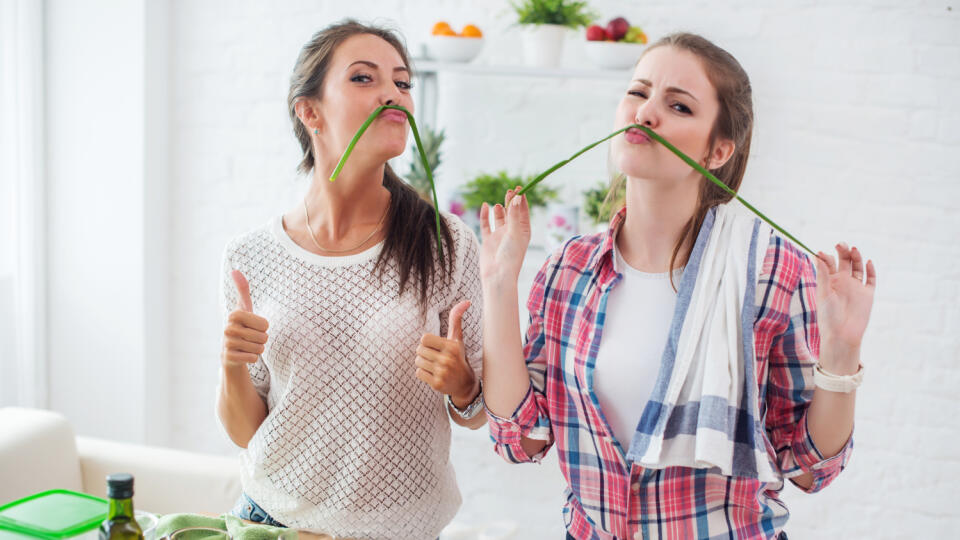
(610, 498)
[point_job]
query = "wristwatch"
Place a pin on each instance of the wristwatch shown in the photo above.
(472, 409)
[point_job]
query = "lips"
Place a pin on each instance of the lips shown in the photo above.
(393, 115)
(636, 136)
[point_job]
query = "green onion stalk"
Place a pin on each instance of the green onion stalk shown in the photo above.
(653, 135)
(423, 157)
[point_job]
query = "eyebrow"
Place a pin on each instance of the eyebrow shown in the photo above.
(671, 89)
(375, 66)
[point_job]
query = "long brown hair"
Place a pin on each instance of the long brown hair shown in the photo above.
(734, 122)
(411, 233)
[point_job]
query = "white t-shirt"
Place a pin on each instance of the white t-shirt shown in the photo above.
(353, 443)
(635, 330)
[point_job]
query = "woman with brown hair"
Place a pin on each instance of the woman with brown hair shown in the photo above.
(349, 342)
(686, 361)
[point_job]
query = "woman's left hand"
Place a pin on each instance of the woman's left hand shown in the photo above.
(844, 300)
(442, 363)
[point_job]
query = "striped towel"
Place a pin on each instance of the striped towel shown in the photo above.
(703, 411)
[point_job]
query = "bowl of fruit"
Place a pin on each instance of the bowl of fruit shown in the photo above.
(446, 45)
(616, 45)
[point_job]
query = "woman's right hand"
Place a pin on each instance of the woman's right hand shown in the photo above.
(503, 248)
(246, 333)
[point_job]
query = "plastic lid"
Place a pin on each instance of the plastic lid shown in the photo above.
(120, 486)
(57, 513)
(10, 535)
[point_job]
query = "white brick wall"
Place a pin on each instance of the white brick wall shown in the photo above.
(857, 138)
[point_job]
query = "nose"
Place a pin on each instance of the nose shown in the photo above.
(647, 114)
(390, 94)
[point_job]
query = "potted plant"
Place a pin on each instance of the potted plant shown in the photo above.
(545, 22)
(490, 189)
(417, 176)
(599, 206)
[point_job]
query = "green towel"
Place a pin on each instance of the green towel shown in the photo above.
(235, 526)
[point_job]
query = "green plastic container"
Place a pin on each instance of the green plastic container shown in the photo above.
(53, 514)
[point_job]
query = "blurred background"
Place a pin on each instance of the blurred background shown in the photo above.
(138, 136)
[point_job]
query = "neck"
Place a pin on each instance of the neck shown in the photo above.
(120, 508)
(656, 216)
(357, 197)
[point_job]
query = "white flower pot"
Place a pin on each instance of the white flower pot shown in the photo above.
(543, 44)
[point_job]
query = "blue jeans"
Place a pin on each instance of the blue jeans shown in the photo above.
(251, 511)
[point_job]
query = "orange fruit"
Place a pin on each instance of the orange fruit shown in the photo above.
(471, 31)
(440, 28)
(447, 32)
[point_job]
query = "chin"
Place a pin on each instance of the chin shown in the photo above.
(394, 150)
(634, 166)
(388, 146)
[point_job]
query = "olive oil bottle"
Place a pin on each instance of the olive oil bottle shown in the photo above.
(120, 524)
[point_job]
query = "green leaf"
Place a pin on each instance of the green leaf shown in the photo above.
(596, 205)
(417, 177)
(570, 13)
(491, 188)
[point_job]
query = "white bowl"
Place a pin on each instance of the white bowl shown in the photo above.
(614, 54)
(453, 48)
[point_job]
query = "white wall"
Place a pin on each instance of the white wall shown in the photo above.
(857, 138)
(8, 225)
(100, 230)
(23, 281)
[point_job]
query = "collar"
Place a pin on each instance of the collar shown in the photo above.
(604, 251)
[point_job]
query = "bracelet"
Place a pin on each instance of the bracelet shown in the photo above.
(470, 410)
(837, 383)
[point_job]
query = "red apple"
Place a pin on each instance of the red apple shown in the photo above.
(596, 33)
(617, 28)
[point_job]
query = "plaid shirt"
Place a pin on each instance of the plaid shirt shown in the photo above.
(608, 497)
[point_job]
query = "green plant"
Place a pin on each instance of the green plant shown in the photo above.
(596, 205)
(490, 189)
(570, 13)
(417, 176)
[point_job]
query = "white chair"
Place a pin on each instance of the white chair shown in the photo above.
(39, 451)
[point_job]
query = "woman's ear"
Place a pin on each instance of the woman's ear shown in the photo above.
(722, 152)
(308, 111)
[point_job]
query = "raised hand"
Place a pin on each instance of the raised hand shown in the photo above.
(246, 333)
(844, 300)
(504, 246)
(442, 363)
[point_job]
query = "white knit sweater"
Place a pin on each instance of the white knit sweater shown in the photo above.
(353, 443)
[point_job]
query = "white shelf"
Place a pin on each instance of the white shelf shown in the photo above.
(428, 70)
(426, 66)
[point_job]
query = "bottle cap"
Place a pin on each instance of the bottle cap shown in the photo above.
(120, 486)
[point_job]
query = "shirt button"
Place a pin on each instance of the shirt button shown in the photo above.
(635, 486)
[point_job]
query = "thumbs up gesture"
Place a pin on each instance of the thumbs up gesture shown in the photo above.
(246, 333)
(442, 363)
